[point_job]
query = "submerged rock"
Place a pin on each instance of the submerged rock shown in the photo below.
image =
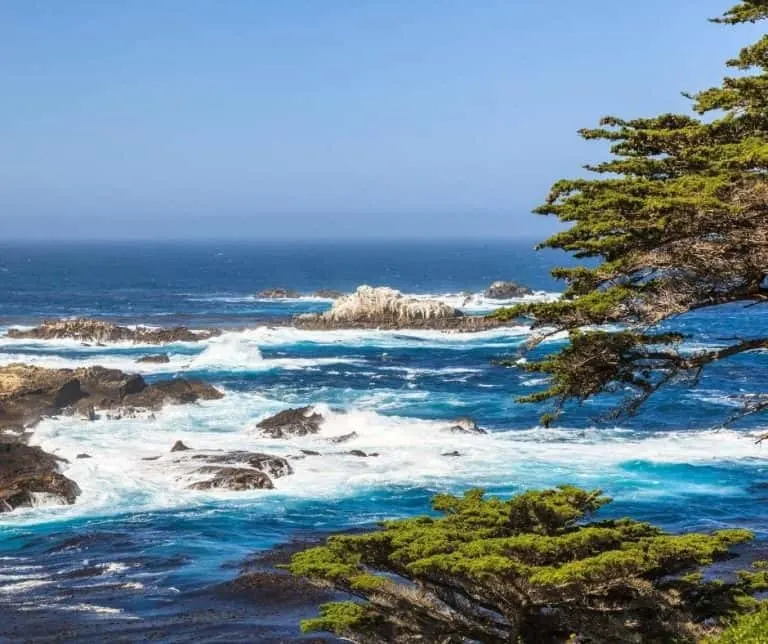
(99, 331)
(383, 307)
(343, 438)
(329, 293)
(277, 294)
(465, 426)
(454, 453)
(29, 472)
(158, 358)
(501, 290)
(178, 446)
(237, 479)
(274, 466)
(83, 456)
(292, 422)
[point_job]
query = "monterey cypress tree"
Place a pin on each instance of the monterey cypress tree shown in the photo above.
(676, 220)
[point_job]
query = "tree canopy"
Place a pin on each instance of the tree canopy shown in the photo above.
(676, 219)
(533, 568)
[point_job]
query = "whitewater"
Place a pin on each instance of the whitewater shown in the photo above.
(149, 543)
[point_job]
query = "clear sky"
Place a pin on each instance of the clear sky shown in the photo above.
(324, 118)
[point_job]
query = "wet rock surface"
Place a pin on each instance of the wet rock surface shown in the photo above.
(158, 358)
(27, 471)
(237, 479)
(29, 393)
(100, 331)
(465, 426)
(277, 294)
(503, 290)
(299, 421)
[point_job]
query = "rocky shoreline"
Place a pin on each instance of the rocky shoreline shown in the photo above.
(28, 394)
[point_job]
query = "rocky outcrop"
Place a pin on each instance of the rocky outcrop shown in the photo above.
(237, 479)
(274, 466)
(465, 426)
(28, 393)
(505, 290)
(28, 474)
(328, 294)
(238, 470)
(277, 294)
(292, 422)
(343, 438)
(386, 308)
(160, 358)
(99, 331)
(179, 446)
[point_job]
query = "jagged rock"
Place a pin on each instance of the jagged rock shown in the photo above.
(275, 466)
(277, 294)
(329, 294)
(29, 393)
(383, 307)
(178, 446)
(237, 479)
(158, 358)
(99, 331)
(505, 290)
(83, 456)
(465, 426)
(28, 471)
(292, 422)
(454, 453)
(343, 438)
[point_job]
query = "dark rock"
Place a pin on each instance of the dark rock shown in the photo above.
(310, 452)
(100, 331)
(150, 458)
(454, 453)
(277, 294)
(373, 453)
(178, 446)
(343, 438)
(275, 466)
(159, 358)
(233, 478)
(26, 471)
(357, 452)
(29, 393)
(465, 426)
(83, 456)
(329, 294)
(292, 422)
(505, 290)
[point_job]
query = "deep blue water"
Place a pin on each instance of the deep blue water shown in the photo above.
(157, 544)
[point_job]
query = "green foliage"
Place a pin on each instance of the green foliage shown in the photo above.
(533, 567)
(675, 220)
(751, 628)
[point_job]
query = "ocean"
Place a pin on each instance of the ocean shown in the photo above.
(154, 551)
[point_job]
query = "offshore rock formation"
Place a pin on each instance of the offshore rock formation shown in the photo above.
(329, 293)
(238, 470)
(506, 290)
(29, 393)
(277, 294)
(292, 422)
(99, 331)
(28, 473)
(386, 308)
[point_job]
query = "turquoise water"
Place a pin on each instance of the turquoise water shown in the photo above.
(157, 544)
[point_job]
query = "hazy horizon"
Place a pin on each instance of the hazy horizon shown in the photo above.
(339, 119)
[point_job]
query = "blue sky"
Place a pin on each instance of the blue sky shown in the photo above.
(324, 118)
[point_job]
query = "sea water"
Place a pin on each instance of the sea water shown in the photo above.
(150, 543)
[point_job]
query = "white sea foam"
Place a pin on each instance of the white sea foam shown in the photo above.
(411, 453)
